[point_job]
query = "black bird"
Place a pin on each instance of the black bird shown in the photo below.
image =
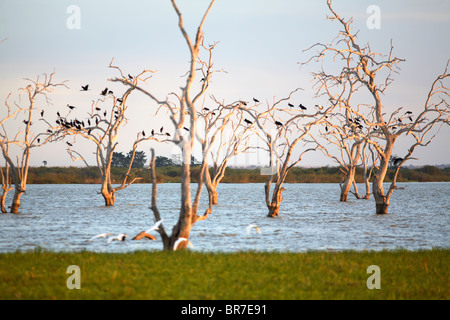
(120, 100)
(97, 108)
(185, 128)
(278, 123)
(104, 92)
(408, 112)
(89, 122)
(104, 113)
(57, 113)
(326, 128)
(248, 121)
(167, 134)
(57, 121)
(49, 131)
(143, 133)
(70, 107)
(244, 103)
(70, 145)
(26, 122)
(302, 107)
(42, 113)
(130, 76)
(206, 109)
(256, 100)
(97, 121)
(153, 132)
(38, 140)
(84, 88)
(410, 119)
(110, 92)
(290, 105)
(396, 161)
(161, 130)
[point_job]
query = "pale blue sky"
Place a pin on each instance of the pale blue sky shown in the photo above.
(260, 45)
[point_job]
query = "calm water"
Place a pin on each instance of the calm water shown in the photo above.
(64, 217)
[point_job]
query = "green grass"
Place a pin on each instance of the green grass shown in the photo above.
(249, 275)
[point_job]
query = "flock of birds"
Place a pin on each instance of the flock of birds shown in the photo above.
(110, 237)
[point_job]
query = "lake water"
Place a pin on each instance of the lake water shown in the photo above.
(64, 217)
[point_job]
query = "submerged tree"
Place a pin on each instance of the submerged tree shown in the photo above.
(225, 134)
(21, 136)
(371, 72)
(102, 128)
(183, 115)
(281, 129)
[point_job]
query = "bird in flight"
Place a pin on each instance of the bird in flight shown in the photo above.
(119, 237)
(101, 235)
(154, 227)
(179, 240)
(254, 226)
(84, 88)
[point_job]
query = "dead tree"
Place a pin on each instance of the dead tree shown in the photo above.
(102, 127)
(281, 128)
(372, 72)
(182, 111)
(226, 134)
(21, 136)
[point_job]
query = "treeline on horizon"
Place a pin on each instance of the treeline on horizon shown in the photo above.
(172, 174)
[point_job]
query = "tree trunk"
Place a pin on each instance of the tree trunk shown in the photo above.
(274, 205)
(2, 202)
(16, 201)
(345, 188)
(108, 195)
(367, 184)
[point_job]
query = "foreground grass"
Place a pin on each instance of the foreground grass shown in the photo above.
(249, 275)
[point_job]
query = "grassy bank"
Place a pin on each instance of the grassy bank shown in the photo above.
(53, 175)
(250, 275)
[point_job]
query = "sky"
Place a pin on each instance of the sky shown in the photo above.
(260, 45)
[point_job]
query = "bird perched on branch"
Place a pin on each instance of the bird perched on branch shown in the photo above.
(256, 100)
(70, 107)
(302, 107)
(248, 121)
(278, 123)
(104, 92)
(290, 105)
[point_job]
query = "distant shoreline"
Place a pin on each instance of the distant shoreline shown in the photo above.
(90, 175)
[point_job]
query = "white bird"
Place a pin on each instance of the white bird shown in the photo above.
(101, 235)
(155, 226)
(179, 240)
(250, 226)
(119, 237)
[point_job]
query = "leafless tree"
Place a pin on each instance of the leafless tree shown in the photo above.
(183, 115)
(18, 134)
(102, 128)
(372, 72)
(281, 128)
(226, 134)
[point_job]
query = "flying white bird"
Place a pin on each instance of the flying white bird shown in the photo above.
(101, 235)
(119, 237)
(179, 240)
(250, 226)
(155, 226)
